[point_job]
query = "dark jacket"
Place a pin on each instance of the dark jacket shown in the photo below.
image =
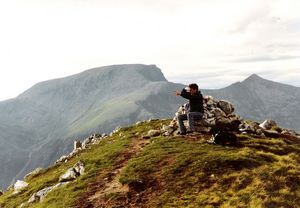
(196, 101)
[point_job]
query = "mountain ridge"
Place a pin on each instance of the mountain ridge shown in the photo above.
(59, 110)
(48, 116)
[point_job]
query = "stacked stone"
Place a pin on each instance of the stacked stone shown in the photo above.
(217, 113)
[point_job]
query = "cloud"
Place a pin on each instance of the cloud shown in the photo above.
(257, 14)
(265, 58)
(209, 41)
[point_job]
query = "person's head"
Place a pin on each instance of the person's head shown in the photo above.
(193, 88)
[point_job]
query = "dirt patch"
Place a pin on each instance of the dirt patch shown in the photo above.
(106, 189)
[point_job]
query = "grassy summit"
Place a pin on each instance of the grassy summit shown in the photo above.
(125, 170)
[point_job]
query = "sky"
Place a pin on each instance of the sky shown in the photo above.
(211, 42)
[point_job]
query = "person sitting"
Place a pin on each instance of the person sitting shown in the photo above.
(195, 98)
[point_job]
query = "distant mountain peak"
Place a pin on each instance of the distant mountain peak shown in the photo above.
(253, 77)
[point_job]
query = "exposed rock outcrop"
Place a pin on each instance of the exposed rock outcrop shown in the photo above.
(73, 172)
(19, 185)
(40, 195)
(34, 172)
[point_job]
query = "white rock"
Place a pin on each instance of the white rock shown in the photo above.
(268, 124)
(138, 123)
(20, 185)
(73, 173)
(77, 144)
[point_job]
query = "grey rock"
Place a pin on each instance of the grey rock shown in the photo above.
(226, 106)
(40, 195)
(73, 173)
(271, 133)
(218, 113)
(168, 129)
(268, 124)
(34, 172)
(63, 158)
(153, 133)
(77, 144)
(289, 132)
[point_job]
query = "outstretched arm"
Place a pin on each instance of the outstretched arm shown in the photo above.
(183, 94)
(177, 93)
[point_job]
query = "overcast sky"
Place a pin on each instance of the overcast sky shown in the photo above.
(211, 42)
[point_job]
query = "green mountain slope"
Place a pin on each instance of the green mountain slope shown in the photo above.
(42, 122)
(128, 170)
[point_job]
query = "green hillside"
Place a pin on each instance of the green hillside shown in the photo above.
(129, 170)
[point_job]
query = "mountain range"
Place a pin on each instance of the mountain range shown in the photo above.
(40, 125)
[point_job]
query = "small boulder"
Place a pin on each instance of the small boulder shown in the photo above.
(153, 133)
(168, 129)
(218, 113)
(271, 133)
(41, 194)
(1, 192)
(268, 124)
(209, 100)
(73, 173)
(63, 158)
(35, 172)
(19, 185)
(289, 132)
(226, 106)
(77, 144)
(138, 123)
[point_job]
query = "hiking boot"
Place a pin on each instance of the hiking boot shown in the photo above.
(188, 131)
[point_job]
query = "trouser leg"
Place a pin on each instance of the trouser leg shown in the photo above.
(191, 119)
(180, 119)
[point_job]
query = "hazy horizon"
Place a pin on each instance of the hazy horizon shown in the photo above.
(183, 79)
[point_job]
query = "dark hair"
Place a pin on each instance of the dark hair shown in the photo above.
(193, 86)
